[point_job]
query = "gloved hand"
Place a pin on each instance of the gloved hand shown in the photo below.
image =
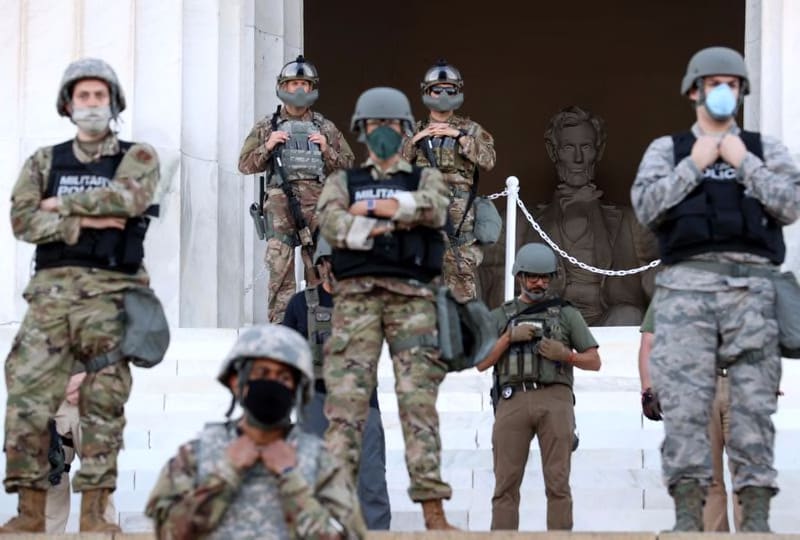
(522, 332)
(651, 407)
(554, 350)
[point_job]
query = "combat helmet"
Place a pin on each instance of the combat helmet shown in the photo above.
(382, 103)
(439, 73)
(535, 259)
(303, 70)
(276, 342)
(90, 68)
(715, 61)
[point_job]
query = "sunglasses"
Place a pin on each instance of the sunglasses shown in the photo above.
(536, 277)
(438, 89)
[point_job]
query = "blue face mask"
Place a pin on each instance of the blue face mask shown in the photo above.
(721, 103)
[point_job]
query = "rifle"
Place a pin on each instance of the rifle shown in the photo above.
(304, 234)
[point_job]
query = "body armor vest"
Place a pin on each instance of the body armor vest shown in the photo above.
(319, 328)
(109, 249)
(445, 150)
(302, 159)
(717, 215)
(255, 511)
(522, 362)
(413, 254)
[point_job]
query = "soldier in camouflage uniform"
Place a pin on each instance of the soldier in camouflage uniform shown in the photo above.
(534, 361)
(258, 476)
(309, 147)
(384, 223)
(717, 197)
(310, 312)
(82, 203)
(457, 146)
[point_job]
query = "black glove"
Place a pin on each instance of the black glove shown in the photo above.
(651, 406)
(55, 455)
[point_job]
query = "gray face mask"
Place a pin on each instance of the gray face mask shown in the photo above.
(299, 98)
(92, 120)
(443, 102)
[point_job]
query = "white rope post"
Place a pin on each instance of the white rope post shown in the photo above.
(512, 187)
(299, 269)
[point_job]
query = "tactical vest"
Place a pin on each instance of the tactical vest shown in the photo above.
(522, 362)
(302, 159)
(109, 249)
(413, 254)
(319, 328)
(717, 215)
(255, 511)
(446, 152)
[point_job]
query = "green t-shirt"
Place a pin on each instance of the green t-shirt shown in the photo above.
(649, 322)
(576, 333)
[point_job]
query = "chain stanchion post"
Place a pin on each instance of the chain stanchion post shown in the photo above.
(512, 189)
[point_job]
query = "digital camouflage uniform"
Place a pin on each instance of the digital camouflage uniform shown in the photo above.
(73, 315)
(368, 309)
(457, 162)
(253, 159)
(715, 510)
(706, 319)
(200, 494)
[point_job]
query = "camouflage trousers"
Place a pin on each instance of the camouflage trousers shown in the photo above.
(695, 332)
(57, 331)
(462, 258)
(361, 321)
(279, 256)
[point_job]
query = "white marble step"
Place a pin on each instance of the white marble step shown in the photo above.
(618, 459)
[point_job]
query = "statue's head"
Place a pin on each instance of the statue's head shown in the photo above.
(575, 140)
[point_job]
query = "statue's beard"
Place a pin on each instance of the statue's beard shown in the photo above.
(575, 178)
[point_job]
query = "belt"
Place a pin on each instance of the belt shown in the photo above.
(509, 389)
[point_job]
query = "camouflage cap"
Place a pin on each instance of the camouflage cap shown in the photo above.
(275, 342)
(90, 68)
(715, 61)
(535, 259)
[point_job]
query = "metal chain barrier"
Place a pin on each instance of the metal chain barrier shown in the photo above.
(564, 254)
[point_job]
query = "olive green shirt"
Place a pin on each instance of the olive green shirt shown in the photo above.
(649, 322)
(576, 333)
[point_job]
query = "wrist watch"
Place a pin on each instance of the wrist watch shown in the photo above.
(371, 208)
(461, 133)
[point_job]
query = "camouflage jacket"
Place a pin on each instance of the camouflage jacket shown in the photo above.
(476, 147)
(193, 497)
(130, 193)
(426, 206)
(254, 157)
(661, 184)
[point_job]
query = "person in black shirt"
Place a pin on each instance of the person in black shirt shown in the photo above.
(309, 313)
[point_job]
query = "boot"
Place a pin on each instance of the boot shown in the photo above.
(93, 508)
(434, 516)
(689, 497)
(30, 512)
(755, 508)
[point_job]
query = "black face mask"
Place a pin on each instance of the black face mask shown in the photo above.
(267, 403)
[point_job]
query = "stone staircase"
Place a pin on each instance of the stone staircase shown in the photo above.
(615, 472)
